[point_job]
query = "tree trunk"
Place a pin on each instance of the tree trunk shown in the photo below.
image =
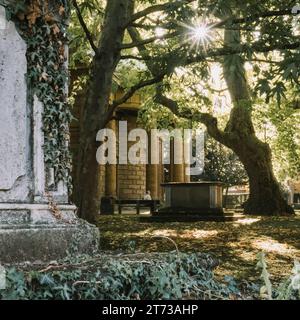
(97, 101)
(265, 195)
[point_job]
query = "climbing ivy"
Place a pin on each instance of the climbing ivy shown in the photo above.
(43, 26)
(126, 277)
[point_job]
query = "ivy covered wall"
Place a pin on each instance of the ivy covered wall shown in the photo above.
(43, 26)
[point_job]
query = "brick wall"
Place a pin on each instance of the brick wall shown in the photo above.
(131, 181)
(131, 178)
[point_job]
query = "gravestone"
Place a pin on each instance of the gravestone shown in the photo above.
(14, 119)
(35, 224)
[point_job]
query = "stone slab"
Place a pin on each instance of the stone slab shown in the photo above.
(14, 117)
(46, 243)
(30, 232)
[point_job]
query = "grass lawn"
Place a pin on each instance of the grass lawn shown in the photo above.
(235, 244)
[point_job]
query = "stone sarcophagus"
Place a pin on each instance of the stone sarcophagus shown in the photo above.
(199, 198)
(37, 222)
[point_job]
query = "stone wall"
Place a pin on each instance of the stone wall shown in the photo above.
(131, 178)
(15, 158)
(131, 181)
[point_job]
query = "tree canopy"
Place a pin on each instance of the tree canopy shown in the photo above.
(176, 52)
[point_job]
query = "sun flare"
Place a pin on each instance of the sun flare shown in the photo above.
(198, 34)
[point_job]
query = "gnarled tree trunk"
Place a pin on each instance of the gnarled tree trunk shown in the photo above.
(94, 113)
(265, 195)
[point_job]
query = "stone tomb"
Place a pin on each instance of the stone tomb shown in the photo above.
(29, 228)
(200, 198)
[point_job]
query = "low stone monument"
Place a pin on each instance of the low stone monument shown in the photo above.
(37, 222)
(199, 198)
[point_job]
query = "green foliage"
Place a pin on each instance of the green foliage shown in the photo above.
(129, 277)
(281, 127)
(266, 290)
(153, 116)
(221, 164)
(162, 276)
(78, 87)
(289, 289)
(47, 75)
(92, 11)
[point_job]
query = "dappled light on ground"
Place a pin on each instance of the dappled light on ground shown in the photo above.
(235, 244)
(198, 234)
(268, 244)
(246, 221)
(247, 255)
(155, 233)
(185, 234)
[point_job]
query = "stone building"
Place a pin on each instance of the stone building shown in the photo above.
(127, 181)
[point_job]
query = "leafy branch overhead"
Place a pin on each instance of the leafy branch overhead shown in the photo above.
(169, 50)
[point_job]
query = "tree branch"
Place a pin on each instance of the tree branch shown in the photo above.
(159, 7)
(154, 25)
(207, 119)
(132, 57)
(135, 88)
(230, 20)
(256, 47)
(149, 40)
(233, 20)
(84, 26)
(129, 94)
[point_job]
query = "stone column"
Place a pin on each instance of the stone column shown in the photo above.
(178, 173)
(35, 224)
(177, 170)
(187, 176)
(187, 166)
(152, 174)
(161, 179)
(161, 173)
(111, 171)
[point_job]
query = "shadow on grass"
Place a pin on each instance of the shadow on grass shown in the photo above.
(235, 244)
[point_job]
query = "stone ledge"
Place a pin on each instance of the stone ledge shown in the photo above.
(35, 234)
(45, 244)
(11, 213)
(32, 206)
